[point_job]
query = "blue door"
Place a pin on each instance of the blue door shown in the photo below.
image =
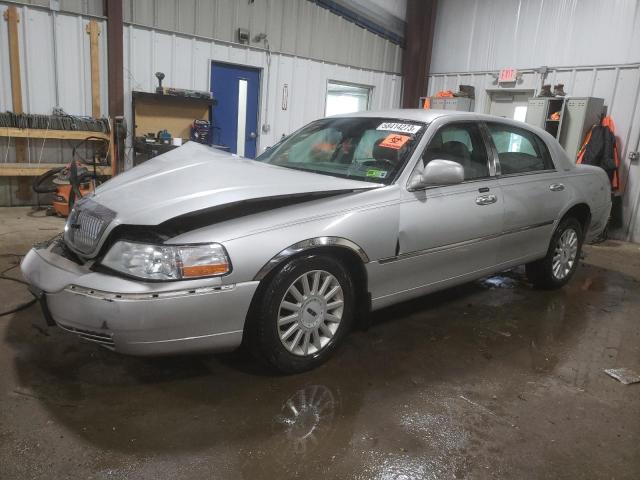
(235, 114)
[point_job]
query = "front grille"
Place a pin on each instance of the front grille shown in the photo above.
(87, 222)
(105, 339)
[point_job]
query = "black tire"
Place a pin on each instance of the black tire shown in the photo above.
(541, 272)
(263, 331)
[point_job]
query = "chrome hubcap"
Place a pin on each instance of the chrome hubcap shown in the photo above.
(565, 254)
(310, 313)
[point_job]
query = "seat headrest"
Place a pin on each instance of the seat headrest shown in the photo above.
(384, 153)
(455, 149)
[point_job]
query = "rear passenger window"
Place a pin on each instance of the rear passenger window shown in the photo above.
(462, 143)
(519, 151)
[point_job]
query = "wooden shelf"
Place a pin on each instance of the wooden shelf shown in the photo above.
(52, 134)
(175, 99)
(37, 169)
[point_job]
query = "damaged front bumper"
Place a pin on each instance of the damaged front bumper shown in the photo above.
(135, 317)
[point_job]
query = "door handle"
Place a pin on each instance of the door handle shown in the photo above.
(486, 199)
(252, 135)
(556, 187)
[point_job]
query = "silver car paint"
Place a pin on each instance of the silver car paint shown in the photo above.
(416, 242)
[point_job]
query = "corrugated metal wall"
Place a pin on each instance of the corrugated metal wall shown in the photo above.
(479, 35)
(186, 64)
(38, 29)
(297, 30)
(591, 46)
(294, 27)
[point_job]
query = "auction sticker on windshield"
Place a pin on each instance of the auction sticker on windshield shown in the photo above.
(399, 127)
(395, 141)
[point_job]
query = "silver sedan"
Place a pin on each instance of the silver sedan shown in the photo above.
(200, 250)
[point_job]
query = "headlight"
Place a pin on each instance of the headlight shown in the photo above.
(167, 262)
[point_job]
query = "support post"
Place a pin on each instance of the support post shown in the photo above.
(12, 17)
(93, 29)
(421, 16)
(114, 54)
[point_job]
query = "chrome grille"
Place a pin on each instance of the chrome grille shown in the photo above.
(86, 224)
(88, 230)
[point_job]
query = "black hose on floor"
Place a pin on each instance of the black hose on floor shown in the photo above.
(22, 306)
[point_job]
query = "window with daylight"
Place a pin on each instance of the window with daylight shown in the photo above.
(346, 98)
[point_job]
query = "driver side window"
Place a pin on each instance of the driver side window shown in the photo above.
(462, 143)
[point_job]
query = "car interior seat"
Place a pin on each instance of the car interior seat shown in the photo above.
(385, 154)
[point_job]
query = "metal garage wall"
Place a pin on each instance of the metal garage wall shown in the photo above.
(186, 64)
(295, 27)
(593, 47)
(39, 29)
(310, 46)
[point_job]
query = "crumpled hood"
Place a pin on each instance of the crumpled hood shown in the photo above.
(195, 177)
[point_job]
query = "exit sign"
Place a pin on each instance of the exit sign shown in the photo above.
(508, 75)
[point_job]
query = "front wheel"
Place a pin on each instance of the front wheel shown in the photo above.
(561, 262)
(303, 314)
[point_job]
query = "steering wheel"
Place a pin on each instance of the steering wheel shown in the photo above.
(380, 160)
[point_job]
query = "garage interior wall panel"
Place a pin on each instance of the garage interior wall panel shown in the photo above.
(160, 36)
(186, 64)
(39, 77)
(591, 46)
(295, 27)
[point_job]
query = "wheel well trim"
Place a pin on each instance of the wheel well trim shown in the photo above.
(308, 244)
(578, 204)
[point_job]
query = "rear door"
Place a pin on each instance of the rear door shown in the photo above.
(533, 193)
(235, 113)
(452, 231)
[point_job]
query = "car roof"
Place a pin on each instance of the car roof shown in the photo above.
(417, 114)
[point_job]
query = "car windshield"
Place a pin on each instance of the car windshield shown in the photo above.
(361, 148)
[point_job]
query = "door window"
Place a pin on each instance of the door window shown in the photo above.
(519, 151)
(462, 143)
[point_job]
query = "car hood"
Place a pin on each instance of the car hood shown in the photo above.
(196, 177)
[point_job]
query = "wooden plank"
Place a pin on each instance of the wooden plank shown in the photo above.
(52, 134)
(36, 169)
(113, 145)
(12, 18)
(93, 29)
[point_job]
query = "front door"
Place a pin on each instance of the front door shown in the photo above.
(235, 113)
(451, 232)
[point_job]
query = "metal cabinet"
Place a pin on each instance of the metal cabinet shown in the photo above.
(579, 115)
(461, 104)
(540, 113)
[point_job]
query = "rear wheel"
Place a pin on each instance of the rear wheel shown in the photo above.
(303, 314)
(561, 262)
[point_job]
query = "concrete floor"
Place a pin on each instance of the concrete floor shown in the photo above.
(488, 380)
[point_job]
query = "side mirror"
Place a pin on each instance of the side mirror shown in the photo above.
(437, 173)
